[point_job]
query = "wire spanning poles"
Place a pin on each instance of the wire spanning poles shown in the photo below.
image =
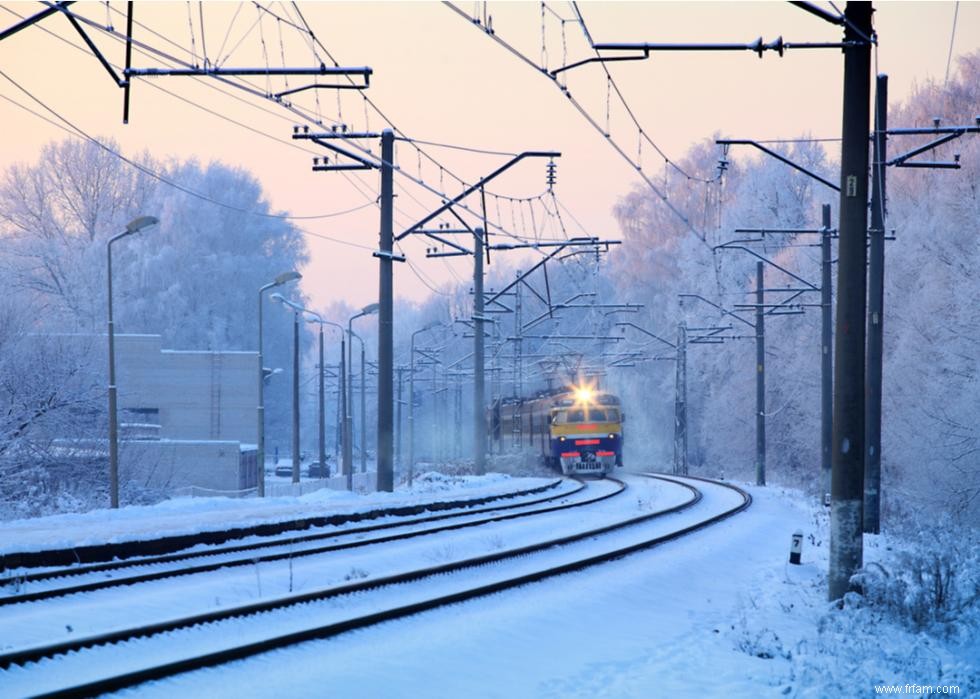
(208, 69)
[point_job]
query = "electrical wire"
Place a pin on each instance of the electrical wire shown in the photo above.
(81, 136)
(298, 111)
(236, 84)
(154, 174)
(642, 133)
(581, 109)
(952, 38)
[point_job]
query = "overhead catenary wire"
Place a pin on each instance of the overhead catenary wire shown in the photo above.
(495, 36)
(298, 111)
(154, 174)
(372, 198)
(642, 134)
(952, 39)
(237, 84)
(304, 231)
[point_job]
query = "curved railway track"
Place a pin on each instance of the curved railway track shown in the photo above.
(503, 513)
(44, 654)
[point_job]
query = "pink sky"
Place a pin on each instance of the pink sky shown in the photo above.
(442, 80)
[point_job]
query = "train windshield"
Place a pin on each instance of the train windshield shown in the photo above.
(587, 414)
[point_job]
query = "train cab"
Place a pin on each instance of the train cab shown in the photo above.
(586, 431)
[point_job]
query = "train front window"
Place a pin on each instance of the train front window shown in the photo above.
(579, 415)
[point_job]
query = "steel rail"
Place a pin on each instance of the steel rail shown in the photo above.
(293, 554)
(329, 630)
(36, 653)
(171, 544)
(75, 571)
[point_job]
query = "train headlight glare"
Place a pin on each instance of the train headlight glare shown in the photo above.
(561, 439)
(612, 436)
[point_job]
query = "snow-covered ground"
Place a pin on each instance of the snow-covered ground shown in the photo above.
(718, 613)
(186, 515)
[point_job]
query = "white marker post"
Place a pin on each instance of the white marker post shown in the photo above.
(796, 548)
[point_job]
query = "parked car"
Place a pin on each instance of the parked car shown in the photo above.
(318, 470)
(284, 470)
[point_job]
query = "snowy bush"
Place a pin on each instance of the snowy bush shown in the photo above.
(933, 585)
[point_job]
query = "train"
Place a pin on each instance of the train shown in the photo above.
(577, 431)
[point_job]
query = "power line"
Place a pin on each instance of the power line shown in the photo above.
(952, 37)
(146, 49)
(581, 109)
(301, 230)
(150, 172)
(642, 133)
(302, 113)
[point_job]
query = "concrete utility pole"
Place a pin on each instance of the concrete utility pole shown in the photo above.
(847, 479)
(385, 456)
(876, 299)
(826, 355)
(680, 403)
(479, 386)
(760, 376)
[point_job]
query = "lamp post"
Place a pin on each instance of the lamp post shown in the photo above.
(411, 402)
(260, 446)
(363, 414)
(134, 226)
(323, 425)
(348, 413)
(317, 318)
(349, 417)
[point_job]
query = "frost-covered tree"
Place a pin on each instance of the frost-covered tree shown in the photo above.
(193, 279)
(931, 447)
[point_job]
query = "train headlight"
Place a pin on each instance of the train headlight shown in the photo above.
(612, 436)
(561, 439)
(584, 394)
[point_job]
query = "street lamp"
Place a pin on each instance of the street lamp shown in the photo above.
(370, 309)
(283, 278)
(411, 401)
(322, 437)
(134, 226)
(295, 443)
(317, 318)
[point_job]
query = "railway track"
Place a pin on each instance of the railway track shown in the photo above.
(534, 562)
(112, 552)
(285, 548)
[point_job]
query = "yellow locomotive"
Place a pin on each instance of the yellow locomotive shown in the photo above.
(576, 431)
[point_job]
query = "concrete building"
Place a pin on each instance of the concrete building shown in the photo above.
(187, 419)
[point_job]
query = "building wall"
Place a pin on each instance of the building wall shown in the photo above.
(198, 395)
(220, 466)
(205, 406)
